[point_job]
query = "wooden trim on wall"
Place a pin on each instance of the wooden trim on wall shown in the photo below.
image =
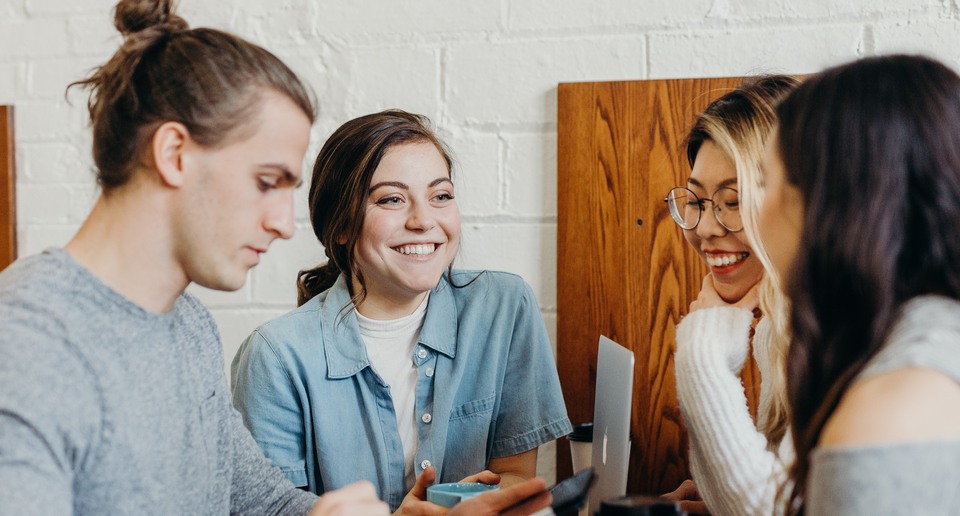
(8, 189)
(623, 267)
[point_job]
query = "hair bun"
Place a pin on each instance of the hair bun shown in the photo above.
(132, 16)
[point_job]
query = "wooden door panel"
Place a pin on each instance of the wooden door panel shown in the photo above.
(623, 268)
(8, 190)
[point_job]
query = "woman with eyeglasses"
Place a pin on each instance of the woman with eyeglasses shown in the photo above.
(737, 466)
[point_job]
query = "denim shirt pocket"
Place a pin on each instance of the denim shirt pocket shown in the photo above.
(469, 435)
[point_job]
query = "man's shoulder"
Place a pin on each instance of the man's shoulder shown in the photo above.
(36, 348)
(30, 277)
(29, 290)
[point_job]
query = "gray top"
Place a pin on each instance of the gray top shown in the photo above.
(901, 478)
(106, 408)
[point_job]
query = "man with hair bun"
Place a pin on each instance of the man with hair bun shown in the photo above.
(113, 397)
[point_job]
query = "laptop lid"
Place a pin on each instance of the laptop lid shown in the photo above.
(611, 421)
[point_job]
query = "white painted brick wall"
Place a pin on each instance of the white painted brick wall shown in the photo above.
(527, 248)
(35, 36)
(50, 162)
(375, 78)
(514, 81)
(47, 78)
(768, 49)
(47, 8)
(477, 172)
(530, 178)
(602, 15)
(412, 17)
(486, 72)
(10, 78)
(43, 204)
(939, 38)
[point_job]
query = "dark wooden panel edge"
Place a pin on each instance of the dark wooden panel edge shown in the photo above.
(8, 189)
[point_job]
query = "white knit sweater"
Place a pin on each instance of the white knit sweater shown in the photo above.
(735, 472)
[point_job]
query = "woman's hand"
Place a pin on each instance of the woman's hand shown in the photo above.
(484, 477)
(415, 503)
(709, 298)
(526, 497)
(416, 500)
(689, 498)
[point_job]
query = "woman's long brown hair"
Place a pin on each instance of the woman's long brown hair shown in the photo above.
(874, 149)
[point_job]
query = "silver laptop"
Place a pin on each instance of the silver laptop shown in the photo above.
(611, 421)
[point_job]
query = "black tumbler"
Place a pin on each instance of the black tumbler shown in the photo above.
(638, 505)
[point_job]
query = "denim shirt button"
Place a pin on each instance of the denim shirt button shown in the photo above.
(426, 418)
(421, 353)
(424, 464)
(429, 372)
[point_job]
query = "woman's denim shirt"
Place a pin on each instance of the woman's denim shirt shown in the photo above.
(487, 387)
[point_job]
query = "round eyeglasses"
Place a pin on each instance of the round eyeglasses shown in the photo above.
(686, 207)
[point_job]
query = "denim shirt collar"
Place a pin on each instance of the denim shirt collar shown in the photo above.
(344, 350)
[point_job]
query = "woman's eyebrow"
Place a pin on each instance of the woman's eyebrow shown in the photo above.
(396, 184)
(723, 184)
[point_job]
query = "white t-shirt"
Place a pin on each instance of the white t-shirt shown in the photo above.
(390, 345)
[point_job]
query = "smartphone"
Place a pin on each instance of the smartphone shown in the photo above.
(570, 495)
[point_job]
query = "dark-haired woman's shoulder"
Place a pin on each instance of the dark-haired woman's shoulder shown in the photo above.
(914, 404)
(925, 335)
(903, 478)
(910, 390)
(892, 445)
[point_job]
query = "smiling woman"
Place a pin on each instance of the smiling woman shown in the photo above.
(445, 372)
(736, 464)
(411, 231)
(718, 237)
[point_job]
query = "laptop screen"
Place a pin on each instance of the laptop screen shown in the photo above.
(611, 421)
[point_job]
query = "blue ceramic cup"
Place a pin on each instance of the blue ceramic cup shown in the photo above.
(452, 493)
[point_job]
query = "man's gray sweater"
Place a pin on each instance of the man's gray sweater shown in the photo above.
(106, 408)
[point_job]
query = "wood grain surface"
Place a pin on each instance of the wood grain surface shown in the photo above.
(624, 269)
(8, 189)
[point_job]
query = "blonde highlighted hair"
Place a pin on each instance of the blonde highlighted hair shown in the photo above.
(739, 123)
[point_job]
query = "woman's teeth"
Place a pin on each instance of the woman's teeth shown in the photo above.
(725, 259)
(420, 249)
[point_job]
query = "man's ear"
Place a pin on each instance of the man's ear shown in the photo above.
(168, 144)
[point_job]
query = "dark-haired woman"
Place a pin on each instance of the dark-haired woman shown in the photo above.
(860, 218)
(397, 368)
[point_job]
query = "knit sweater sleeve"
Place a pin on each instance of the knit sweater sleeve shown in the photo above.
(735, 472)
